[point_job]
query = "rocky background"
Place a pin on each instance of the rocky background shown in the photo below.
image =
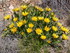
(60, 7)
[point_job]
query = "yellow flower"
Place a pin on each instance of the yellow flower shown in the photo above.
(54, 28)
(64, 29)
(47, 20)
(34, 18)
(40, 18)
(20, 23)
(25, 13)
(7, 17)
(52, 14)
(14, 29)
(11, 25)
(64, 37)
(48, 9)
(22, 33)
(43, 37)
(15, 19)
(24, 21)
(36, 7)
(46, 28)
(38, 31)
(31, 25)
(55, 35)
(39, 8)
(16, 9)
(55, 19)
(29, 30)
(23, 6)
(48, 41)
(59, 24)
(5, 29)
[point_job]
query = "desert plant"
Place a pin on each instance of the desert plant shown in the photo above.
(36, 26)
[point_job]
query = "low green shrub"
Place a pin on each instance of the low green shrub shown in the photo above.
(36, 26)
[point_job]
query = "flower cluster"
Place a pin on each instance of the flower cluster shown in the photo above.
(38, 23)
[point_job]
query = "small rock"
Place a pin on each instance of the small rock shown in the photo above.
(11, 7)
